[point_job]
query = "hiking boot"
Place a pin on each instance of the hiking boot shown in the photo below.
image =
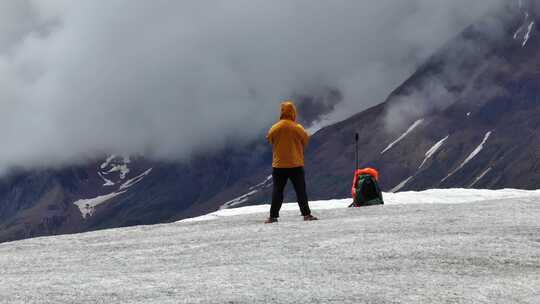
(271, 220)
(310, 218)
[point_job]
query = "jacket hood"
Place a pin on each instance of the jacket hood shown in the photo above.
(288, 111)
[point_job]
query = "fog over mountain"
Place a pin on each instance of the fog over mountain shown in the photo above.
(167, 79)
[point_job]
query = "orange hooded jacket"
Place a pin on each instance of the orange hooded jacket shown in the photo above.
(288, 139)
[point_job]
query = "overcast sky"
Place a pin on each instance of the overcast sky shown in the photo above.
(167, 79)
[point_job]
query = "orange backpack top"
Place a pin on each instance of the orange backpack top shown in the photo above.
(370, 171)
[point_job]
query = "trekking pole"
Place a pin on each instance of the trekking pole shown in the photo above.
(356, 139)
(355, 171)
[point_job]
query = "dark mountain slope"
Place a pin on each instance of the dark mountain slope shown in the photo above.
(126, 192)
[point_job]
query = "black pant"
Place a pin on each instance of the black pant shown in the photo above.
(279, 178)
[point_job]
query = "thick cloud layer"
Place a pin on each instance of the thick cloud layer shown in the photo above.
(167, 79)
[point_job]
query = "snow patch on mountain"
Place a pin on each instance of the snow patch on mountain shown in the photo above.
(245, 197)
(135, 180)
(239, 200)
(401, 185)
(411, 128)
(107, 181)
(113, 164)
(88, 206)
(123, 169)
(263, 184)
(471, 156)
(479, 177)
(107, 161)
(433, 150)
(528, 34)
(523, 33)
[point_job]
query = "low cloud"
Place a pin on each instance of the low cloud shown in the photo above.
(457, 71)
(168, 79)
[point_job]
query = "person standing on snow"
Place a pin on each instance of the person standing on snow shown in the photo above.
(288, 140)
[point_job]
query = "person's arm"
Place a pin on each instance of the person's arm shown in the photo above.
(304, 137)
(270, 135)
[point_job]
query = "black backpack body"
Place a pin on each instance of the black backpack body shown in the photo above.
(366, 191)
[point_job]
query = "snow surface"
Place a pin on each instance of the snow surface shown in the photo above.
(471, 156)
(433, 196)
(433, 149)
(486, 252)
(411, 128)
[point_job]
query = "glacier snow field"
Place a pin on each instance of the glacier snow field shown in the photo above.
(437, 246)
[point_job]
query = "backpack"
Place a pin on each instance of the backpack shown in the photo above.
(365, 189)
